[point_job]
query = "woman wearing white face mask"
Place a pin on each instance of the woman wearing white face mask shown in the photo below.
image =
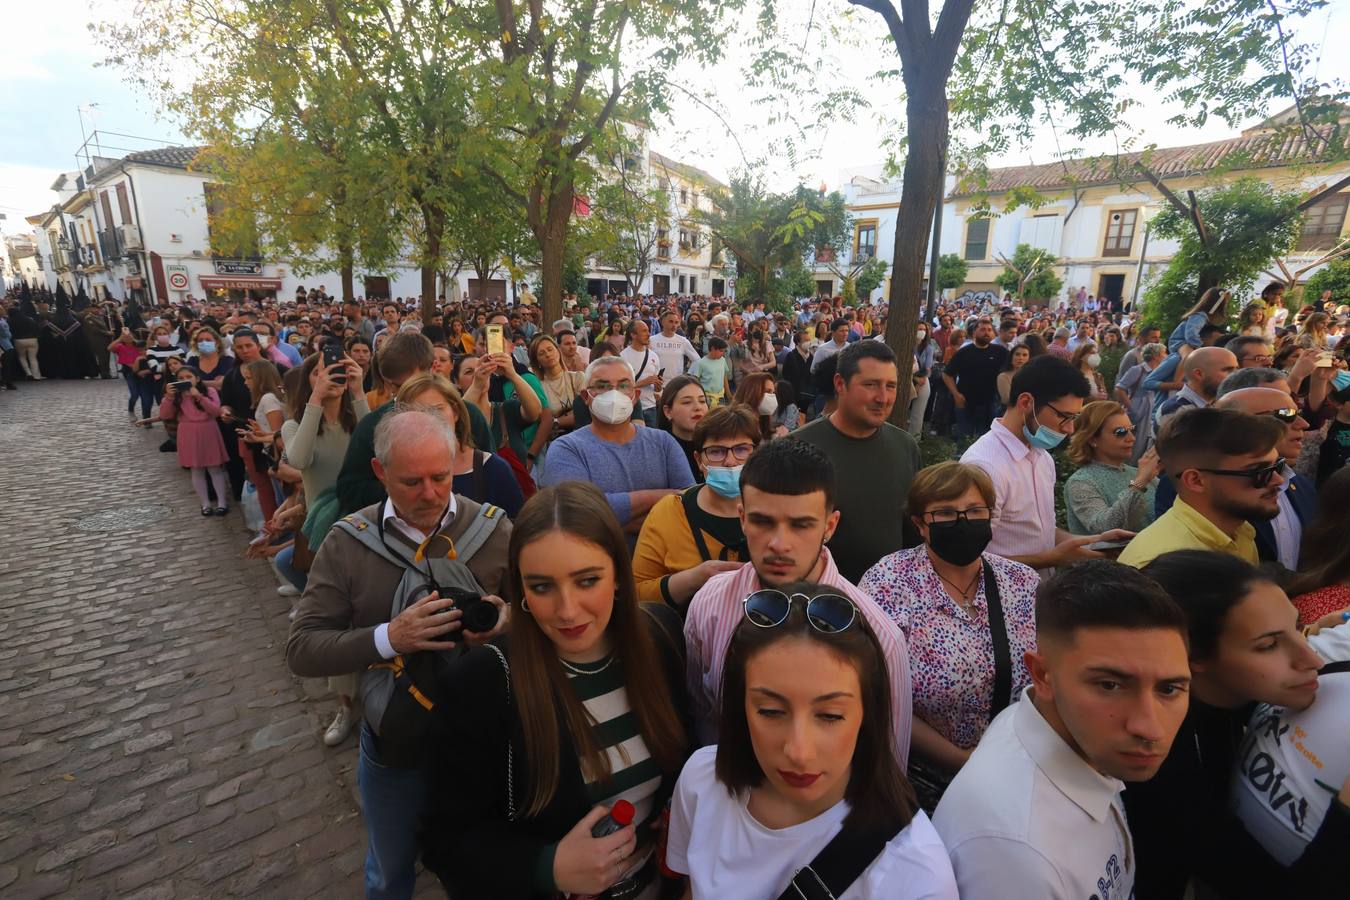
(760, 392)
(1087, 359)
(690, 537)
(925, 353)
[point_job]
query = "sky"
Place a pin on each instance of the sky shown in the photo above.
(49, 73)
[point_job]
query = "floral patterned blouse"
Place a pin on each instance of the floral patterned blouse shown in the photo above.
(951, 653)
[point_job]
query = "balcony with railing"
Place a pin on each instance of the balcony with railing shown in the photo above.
(110, 244)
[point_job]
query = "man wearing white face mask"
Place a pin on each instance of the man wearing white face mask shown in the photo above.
(635, 467)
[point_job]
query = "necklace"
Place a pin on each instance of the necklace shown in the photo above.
(967, 591)
(578, 670)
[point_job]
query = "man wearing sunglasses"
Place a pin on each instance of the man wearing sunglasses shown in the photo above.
(787, 510)
(1279, 539)
(1226, 470)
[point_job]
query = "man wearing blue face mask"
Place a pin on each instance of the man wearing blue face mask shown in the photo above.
(1047, 397)
(634, 466)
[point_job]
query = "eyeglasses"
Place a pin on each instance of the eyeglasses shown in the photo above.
(1286, 415)
(948, 515)
(1063, 416)
(826, 613)
(601, 387)
(1123, 430)
(717, 454)
(1263, 358)
(1260, 476)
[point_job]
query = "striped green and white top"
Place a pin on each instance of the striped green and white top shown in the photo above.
(635, 776)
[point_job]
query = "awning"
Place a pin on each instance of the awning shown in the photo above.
(214, 283)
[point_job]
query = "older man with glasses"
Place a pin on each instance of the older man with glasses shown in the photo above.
(1279, 539)
(634, 466)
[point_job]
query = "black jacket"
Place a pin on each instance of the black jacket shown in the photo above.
(1182, 827)
(468, 841)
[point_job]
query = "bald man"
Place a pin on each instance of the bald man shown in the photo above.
(1278, 539)
(1205, 369)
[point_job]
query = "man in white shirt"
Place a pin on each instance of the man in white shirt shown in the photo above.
(1036, 813)
(838, 341)
(1047, 397)
(646, 364)
(674, 350)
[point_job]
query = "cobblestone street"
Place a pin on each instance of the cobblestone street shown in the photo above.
(153, 743)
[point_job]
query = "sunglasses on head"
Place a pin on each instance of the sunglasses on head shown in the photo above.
(1260, 476)
(1286, 415)
(826, 613)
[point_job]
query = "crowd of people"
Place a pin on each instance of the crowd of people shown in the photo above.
(653, 600)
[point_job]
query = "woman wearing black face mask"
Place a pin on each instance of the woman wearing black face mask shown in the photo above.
(967, 616)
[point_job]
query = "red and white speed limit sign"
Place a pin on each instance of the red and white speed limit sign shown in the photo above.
(178, 281)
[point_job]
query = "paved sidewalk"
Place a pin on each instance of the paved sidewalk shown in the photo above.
(153, 743)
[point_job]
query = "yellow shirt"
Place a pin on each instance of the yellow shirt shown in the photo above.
(666, 546)
(1183, 528)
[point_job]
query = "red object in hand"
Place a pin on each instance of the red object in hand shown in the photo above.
(619, 816)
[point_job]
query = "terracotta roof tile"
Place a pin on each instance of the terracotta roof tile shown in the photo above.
(1250, 151)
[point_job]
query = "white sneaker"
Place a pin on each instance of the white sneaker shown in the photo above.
(288, 590)
(341, 727)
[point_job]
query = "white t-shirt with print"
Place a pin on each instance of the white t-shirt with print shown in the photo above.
(1292, 764)
(727, 853)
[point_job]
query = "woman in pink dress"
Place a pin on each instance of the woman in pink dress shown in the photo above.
(200, 448)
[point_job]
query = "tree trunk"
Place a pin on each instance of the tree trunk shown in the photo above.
(433, 219)
(553, 249)
(926, 110)
(347, 271)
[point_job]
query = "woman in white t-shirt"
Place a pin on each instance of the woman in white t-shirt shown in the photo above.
(805, 753)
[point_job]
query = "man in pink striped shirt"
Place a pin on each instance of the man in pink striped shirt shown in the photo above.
(787, 513)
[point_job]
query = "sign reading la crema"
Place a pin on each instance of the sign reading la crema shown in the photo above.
(237, 267)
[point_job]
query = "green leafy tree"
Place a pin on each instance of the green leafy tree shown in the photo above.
(952, 271)
(1001, 70)
(316, 110)
(769, 235)
(1247, 223)
(553, 77)
(1334, 277)
(870, 277)
(1030, 274)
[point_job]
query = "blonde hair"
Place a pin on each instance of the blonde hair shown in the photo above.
(419, 384)
(1094, 417)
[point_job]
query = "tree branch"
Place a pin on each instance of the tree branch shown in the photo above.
(899, 35)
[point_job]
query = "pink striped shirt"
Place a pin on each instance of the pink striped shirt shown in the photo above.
(1024, 492)
(715, 612)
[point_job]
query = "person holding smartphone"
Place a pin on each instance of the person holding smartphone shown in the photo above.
(194, 406)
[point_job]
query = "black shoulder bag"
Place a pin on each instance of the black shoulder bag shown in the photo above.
(839, 863)
(929, 781)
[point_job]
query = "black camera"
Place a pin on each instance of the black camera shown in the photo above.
(476, 614)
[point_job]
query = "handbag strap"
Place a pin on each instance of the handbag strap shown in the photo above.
(998, 631)
(839, 863)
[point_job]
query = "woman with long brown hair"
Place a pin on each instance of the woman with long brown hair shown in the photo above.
(759, 392)
(583, 708)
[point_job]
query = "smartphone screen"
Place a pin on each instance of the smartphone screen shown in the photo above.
(495, 341)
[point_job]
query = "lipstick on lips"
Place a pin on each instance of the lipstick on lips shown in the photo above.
(575, 631)
(798, 779)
